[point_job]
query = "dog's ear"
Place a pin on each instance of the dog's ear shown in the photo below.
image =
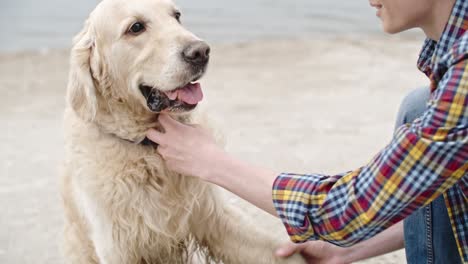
(81, 92)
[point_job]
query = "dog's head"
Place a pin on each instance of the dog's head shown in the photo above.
(136, 54)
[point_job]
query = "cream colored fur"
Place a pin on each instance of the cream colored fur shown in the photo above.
(122, 205)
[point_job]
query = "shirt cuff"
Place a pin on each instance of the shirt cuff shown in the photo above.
(291, 198)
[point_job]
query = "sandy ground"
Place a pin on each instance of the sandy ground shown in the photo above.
(325, 105)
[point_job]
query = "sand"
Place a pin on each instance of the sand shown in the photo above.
(325, 105)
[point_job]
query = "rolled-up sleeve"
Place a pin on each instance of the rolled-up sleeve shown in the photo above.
(423, 160)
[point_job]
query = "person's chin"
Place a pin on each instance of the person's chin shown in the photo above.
(390, 28)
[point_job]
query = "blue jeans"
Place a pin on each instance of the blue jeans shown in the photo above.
(429, 237)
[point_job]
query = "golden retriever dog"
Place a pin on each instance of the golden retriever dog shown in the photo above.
(133, 60)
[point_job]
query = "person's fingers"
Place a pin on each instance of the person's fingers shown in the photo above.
(156, 136)
(288, 250)
(167, 121)
(162, 151)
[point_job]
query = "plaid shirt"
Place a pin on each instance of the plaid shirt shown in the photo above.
(424, 160)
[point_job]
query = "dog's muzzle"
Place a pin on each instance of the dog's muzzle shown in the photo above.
(156, 100)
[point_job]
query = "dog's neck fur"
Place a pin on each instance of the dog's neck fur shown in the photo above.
(128, 120)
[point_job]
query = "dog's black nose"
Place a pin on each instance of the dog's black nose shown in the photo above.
(197, 53)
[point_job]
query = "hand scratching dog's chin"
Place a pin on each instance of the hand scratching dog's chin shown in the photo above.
(182, 99)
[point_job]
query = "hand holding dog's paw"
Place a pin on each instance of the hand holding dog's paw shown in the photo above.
(187, 149)
(316, 252)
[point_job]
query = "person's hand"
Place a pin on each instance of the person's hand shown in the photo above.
(315, 252)
(187, 149)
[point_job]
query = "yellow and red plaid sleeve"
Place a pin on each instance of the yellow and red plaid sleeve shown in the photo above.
(423, 160)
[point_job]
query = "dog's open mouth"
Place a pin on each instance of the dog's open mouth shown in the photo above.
(182, 99)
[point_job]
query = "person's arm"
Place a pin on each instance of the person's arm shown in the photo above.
(256, 189)
(210, 163)
(423, 160)
(316, 252)
(388, 241)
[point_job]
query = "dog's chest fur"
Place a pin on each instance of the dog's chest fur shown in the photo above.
(124, 191)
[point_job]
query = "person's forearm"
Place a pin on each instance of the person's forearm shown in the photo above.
(255, 184)
(248, 182)
(388, 241)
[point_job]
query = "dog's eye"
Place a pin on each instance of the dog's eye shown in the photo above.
(137, 28)
(177, 16)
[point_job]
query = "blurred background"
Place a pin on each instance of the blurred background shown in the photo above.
(296, 85)
(49, 24)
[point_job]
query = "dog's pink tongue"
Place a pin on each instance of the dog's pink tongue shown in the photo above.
(191, 94)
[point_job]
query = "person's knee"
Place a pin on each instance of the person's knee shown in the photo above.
(413, 106)
(416, 99)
